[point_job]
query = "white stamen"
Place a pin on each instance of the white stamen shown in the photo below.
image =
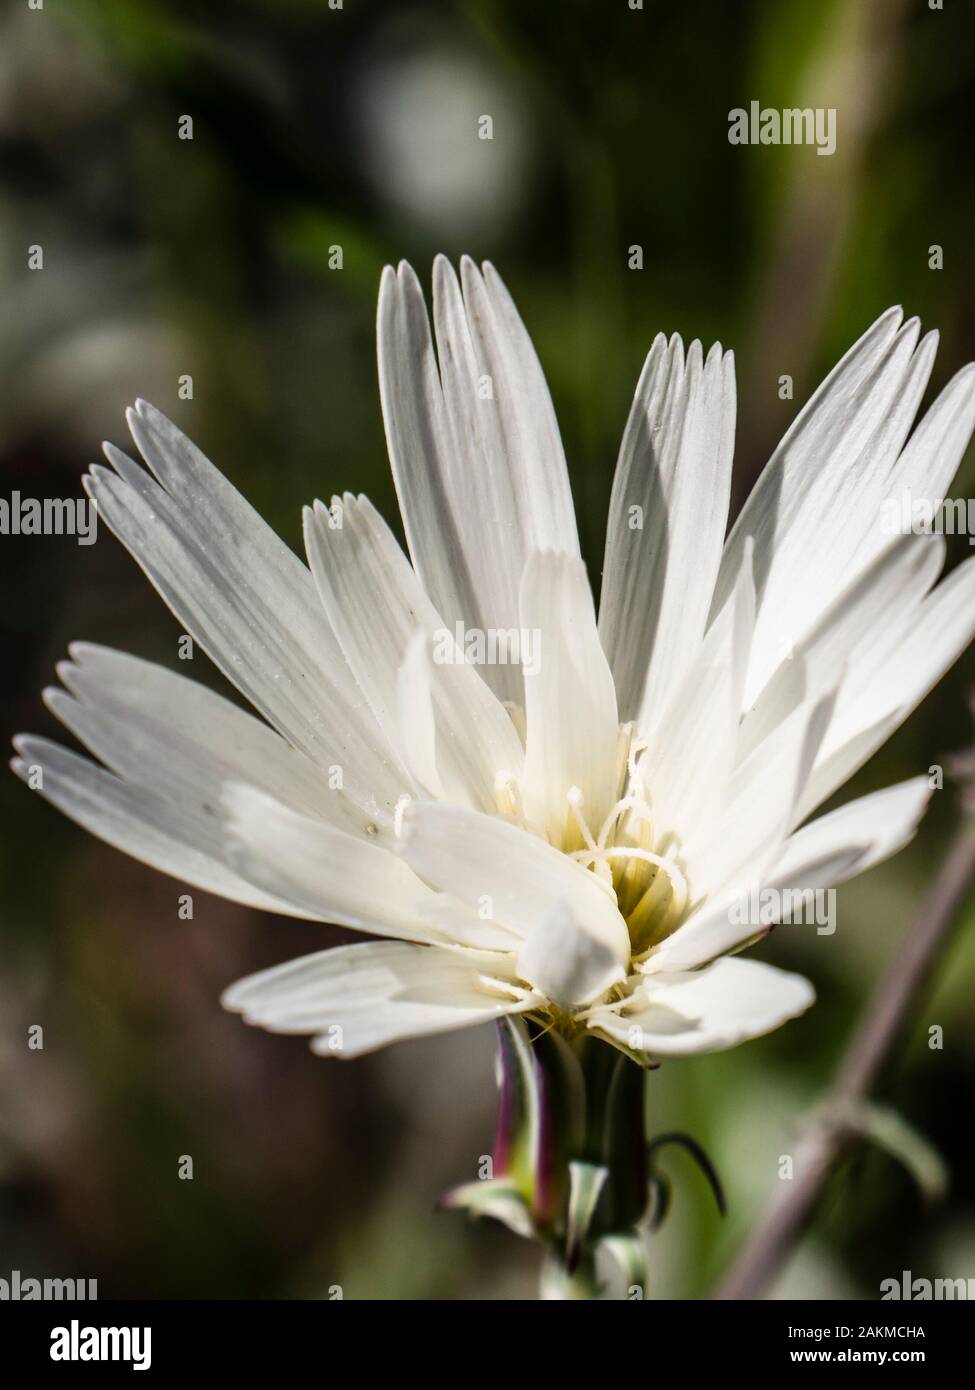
(398, 812)
(638, 746)
(575, 799)
(626, 803)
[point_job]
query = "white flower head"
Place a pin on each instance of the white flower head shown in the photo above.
(541, 811)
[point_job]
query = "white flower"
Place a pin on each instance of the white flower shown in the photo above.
(566, 842)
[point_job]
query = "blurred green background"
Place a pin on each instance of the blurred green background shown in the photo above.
(357, 127)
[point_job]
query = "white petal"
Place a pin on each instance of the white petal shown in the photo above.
(180, 739)
(480, 473)
(725, 922)
(884, 822)
(509, 875)
(760, 804)
(910, 656)
(687, 768)
(529, 431)
(834, 769)
(931, 456)
(915, 649)
(358, 998)
(246, 599)
(852, 630)
(675, 466)
(570, 702)
(335, 878)
(815, 511)
(181, 839)
(376, 604)
(824, 853)
(706, 1010)
(417, 717)
(563, 961)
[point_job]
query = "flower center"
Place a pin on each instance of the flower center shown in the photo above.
(650, 889)
(648, 885)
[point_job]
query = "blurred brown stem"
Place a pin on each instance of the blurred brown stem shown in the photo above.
(825, 1138)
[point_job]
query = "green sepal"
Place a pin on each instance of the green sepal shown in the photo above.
(493, 1197)
(586, 1181)
(561, 1113)
(516, 1135)
(541, 1116)
(628, 1251)
(625, 1196)
(558, 1281)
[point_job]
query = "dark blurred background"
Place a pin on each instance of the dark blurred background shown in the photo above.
(316, 128)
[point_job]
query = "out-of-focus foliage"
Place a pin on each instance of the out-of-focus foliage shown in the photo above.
(316, 128)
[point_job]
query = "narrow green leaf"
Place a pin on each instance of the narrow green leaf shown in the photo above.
(699, 1156)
